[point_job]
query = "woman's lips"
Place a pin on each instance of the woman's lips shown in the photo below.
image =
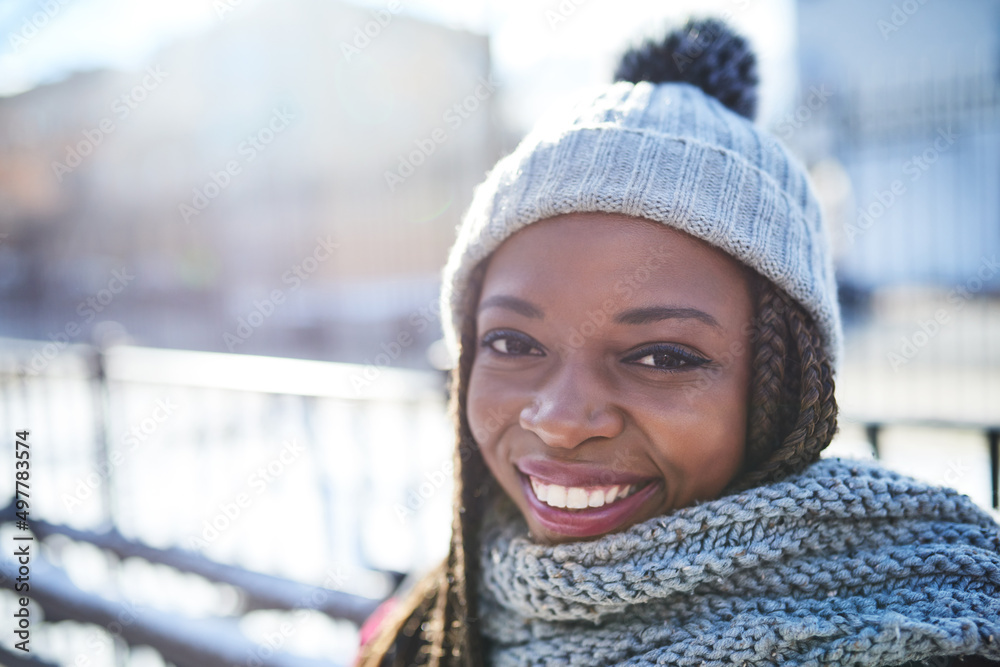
(579, 520)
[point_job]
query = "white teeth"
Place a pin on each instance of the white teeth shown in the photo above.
(576, 497)
(541, 491)
(557, 496)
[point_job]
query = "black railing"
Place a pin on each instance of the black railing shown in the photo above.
(81, 403)
(991, 434)
(186, 642)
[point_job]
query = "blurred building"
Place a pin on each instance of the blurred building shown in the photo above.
(898, 118)
(904, 97)
(305, 161)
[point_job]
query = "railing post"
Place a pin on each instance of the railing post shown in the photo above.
(871, 432)
(993, 438)
(102, 407)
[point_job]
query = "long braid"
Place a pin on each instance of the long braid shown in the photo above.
(793, 410)
(476, 478)
(770, 332)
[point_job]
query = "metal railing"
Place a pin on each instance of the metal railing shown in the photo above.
(263, 476)
(990, 432)
(205, 642)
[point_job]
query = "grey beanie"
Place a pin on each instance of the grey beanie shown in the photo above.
(670, 153)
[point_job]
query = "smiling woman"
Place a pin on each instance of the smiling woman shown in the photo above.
(642, 306)
(629, 379)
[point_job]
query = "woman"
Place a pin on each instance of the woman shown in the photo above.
(642, 304)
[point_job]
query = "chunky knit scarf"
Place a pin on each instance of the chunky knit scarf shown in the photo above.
(846, 563)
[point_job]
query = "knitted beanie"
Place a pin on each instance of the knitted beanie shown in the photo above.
(680, 149)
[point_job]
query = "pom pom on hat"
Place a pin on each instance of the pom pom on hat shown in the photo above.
(705, 53)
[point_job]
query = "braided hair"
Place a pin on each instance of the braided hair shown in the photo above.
(792, 413)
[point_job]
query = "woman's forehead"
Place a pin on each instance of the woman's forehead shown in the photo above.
(596, 256)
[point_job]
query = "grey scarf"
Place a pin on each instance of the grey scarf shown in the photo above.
(846, 563)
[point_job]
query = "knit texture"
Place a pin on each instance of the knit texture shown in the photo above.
(671, 154)
(846, 563)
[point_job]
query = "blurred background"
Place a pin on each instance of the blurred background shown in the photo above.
(222, 224)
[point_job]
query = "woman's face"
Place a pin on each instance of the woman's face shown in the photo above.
(610, 379)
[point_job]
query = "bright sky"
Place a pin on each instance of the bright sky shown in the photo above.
(543, 49)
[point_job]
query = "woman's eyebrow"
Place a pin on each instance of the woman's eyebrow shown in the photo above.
(513, 303)
(656, 313)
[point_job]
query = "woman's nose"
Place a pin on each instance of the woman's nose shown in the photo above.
(574, 405)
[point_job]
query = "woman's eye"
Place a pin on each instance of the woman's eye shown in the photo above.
(510, 344)
(667, 357)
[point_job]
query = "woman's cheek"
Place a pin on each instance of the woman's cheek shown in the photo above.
(473, 407)
(724, 438)
(698, 429)
(488, 408)
(489, 417)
